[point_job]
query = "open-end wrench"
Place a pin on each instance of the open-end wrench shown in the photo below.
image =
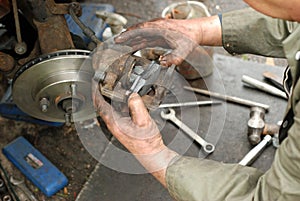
(208, 147)
(21, 184)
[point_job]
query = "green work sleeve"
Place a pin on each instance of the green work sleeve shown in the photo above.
(196, 179)
(204, 180)
(282, 181)
(248, 31)
(193, 179)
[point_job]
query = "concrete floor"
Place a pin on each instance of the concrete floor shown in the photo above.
(138, 11)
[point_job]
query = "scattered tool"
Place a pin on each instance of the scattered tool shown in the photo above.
(274, 79)
(21, 184)
(194, 103)
(257, 126)
(263, 86)
(3, 188)
(256, 151)
(228, 98)
(7, 198)
(208, 147)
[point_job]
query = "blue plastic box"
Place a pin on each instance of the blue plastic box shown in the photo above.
(35, 166)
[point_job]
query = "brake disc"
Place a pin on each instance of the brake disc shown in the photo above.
(50, 87)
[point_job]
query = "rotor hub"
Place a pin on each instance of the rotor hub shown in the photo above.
(52, 89)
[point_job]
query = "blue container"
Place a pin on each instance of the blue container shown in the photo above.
(35, 166)
(90, 19)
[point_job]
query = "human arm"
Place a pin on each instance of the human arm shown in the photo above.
(288, 10)
(235, 34)
(194, 179)
(248, 31)
(281, 182)
(182, 36)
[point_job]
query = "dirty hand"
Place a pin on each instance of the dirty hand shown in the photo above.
(138, 133)
(177, 35)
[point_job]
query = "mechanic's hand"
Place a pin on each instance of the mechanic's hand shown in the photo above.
(177, 35)
(138, 133)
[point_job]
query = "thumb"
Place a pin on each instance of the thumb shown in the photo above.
(139, 112)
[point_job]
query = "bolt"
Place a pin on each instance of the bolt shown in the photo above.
(73, 89)
(68, 119)
(44, 104)
(21, 48)
(7, 198)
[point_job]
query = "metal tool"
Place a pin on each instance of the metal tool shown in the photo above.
(263, 86)
(3, 188)
(228, 98)
(20, 47)
(194, 103)
(21, 184)
(7, 198)
(257, 126)
(121, 74)
(274, 79)
(208, 147)
(256, 151)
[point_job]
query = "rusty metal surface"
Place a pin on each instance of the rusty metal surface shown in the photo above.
(52, 30)
(120, 75)
(54, 34)
(7, 62)
(4, 8)
(62, 8)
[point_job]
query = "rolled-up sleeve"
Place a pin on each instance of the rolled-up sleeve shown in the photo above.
(192, 179)
(248, 31)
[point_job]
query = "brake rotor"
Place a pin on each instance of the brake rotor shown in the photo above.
(52, 89)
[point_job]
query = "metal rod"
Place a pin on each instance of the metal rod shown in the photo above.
(263, 86)
(85, 29)
(17, 22)
(194, 103)
(228, 98)
(256, 151)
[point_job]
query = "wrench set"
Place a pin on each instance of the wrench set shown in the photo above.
(4, 192)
